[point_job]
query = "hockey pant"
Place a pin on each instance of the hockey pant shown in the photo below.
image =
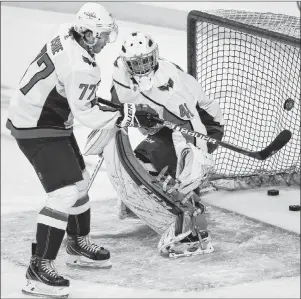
(61, 169)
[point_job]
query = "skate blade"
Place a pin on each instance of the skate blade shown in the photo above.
(39, 289)
(79, 261)
(198, 251)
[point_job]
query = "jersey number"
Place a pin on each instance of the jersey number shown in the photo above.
(42, 58)
(184, 111)
(92, 87)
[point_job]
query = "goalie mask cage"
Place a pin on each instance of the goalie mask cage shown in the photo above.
(250, 64)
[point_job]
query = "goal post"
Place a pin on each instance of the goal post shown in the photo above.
(250, 63)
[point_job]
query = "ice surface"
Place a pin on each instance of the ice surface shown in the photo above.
(245, 251)
(82, 289)
(251, 258)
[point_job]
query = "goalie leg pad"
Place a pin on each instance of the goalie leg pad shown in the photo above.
(97, 140)
(124, 211)
(126, 173)
(144, 193)
(193, 164)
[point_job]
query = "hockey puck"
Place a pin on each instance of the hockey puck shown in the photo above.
(273, 192)
(294, 208)
(288, 104)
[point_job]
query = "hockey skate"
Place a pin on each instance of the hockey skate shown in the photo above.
(83, 253)
(44, 281)
(192, 242)
(191, 245)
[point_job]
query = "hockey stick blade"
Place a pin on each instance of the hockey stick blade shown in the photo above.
(277, 144)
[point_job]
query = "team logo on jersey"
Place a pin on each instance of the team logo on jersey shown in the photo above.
(87, 60)
(167, 85)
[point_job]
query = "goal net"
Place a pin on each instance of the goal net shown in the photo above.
(250, 63)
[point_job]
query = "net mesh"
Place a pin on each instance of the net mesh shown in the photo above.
(280, 23)
(252, 76)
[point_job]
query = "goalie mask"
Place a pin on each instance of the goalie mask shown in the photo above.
(95, 18)
(140, 55)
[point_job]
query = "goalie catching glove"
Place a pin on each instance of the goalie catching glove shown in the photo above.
(140, 115)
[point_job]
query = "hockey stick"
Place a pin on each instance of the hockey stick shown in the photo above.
(95, 171)
(278, 143)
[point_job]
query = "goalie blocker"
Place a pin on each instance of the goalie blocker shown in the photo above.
(179, 219)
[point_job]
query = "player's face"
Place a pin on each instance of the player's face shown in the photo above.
(97, 43)
(101, 42)
(142, 65)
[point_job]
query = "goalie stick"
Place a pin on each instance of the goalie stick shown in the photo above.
(278, 143)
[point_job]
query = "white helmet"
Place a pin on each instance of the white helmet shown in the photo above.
(140, 54)
(94, 17)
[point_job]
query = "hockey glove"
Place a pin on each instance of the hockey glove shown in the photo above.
(140, 115)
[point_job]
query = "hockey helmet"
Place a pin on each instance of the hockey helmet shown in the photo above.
(140, 54)
(94, 17)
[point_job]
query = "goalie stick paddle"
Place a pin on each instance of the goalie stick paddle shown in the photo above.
(278, 143)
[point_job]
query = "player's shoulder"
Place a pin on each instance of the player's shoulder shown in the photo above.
(168, 69)
(173, 68)
(119, 65)
(167, 64)
(120, 73)
(68, 55)
(59, 43)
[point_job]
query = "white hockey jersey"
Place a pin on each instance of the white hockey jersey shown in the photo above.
(59, 84)
(175, 95)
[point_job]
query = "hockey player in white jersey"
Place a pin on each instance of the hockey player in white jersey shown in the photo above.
(60, 84)
(141, 77)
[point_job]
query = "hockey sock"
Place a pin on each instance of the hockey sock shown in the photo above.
(79, 224)
(49, 240)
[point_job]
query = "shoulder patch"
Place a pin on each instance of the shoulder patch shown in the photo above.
(167, 85)
(87, 60)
